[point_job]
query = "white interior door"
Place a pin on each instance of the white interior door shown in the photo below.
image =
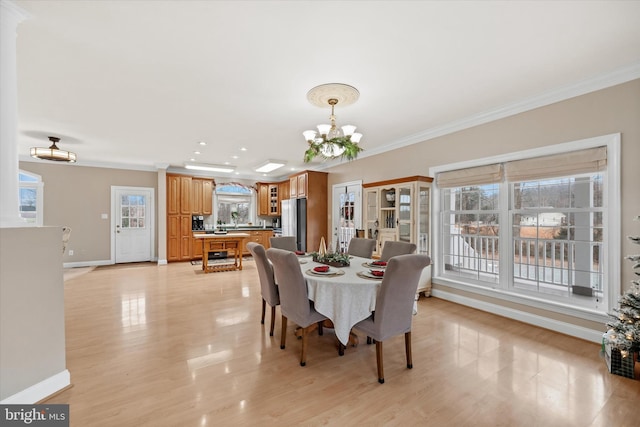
(132, 213)
(347, 213)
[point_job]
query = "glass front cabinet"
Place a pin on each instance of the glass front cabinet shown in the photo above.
(400, 210)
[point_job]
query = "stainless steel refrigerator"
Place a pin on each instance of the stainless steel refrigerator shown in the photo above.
(293, 213)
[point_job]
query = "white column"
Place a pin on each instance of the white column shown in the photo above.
(10, 17)
(162, 213)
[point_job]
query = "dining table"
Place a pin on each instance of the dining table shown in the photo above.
(346, 295)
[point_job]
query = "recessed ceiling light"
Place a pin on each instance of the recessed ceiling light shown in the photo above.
(202, 143)
(243, 149)
(209, 167)
(270, 165)
(193, 160)
(196, 152)
(234, 157)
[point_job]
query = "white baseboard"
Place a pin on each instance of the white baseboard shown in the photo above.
(532, 319)
(87, 263)
(41, 390)
(162, 262)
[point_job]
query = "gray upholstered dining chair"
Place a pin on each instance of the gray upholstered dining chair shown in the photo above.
(268, 287)
(288, 243)
(294, 297)
(361, 247)
(392, 248)
(394, 305)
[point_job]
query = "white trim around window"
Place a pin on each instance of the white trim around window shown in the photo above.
(611, 219)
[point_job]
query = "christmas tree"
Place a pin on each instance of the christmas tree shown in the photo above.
(623, 332)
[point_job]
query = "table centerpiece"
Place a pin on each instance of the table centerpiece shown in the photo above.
(334, 259)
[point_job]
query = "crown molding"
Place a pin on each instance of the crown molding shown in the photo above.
(16, 12)
(616, 77)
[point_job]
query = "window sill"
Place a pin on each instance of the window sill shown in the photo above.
(590, 314)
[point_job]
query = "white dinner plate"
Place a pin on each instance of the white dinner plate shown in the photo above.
(375, 267)
(371, 276)
(331, 272)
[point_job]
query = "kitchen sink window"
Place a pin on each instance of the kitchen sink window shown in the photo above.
(235, 204)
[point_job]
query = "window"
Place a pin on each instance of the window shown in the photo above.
(133, 211)
(533, 227)
(236, 204)
(31, 187)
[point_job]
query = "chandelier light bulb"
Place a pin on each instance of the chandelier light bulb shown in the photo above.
(324, 129)
(348, 130)
(309, 135)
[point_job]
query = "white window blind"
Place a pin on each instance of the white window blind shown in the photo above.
(486, 174)
(564, 164)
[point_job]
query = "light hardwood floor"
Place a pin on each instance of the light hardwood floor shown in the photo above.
(167, 345)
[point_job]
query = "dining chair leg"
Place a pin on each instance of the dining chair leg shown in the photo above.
(303, 355)
(264, 305)
(407, 348)
(379, 361)
(283, 332)
(341, 348)
(369, 340)
(273, 320)
(320, 329)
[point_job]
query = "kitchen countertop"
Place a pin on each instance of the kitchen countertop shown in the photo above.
(239, 228)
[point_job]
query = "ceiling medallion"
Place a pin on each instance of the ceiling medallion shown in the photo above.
(330, 141)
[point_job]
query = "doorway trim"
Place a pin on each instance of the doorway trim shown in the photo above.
(334, 209)
(151, 219)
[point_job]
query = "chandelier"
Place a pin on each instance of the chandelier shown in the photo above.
(331, 141)
(53, 152)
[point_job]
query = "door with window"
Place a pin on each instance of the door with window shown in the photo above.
(347, 213)
(132, 211)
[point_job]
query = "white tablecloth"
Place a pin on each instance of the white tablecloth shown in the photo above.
(345, 299)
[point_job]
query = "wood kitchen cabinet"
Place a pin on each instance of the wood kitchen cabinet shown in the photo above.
(270, 194)
(312, 186)
(196, 246)
(179, 237)
(201, 196)
(257, 236)
(268, 199)
(298, 185)
(284, 190)
(186, 196)
(207, 197)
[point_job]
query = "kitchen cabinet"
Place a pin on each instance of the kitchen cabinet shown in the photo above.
(257, 236)
(312, 186)
(201, 196)
(284, 191)
(298, 185)
(186, 196)
(400, 210)
(173, 195)
(196, 196)
(207, 197)
(196, 246)
(268, 199)
(179, 237)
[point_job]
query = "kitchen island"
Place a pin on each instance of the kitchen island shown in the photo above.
(222, 242)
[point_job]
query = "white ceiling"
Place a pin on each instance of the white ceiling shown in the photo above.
(139, 83)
